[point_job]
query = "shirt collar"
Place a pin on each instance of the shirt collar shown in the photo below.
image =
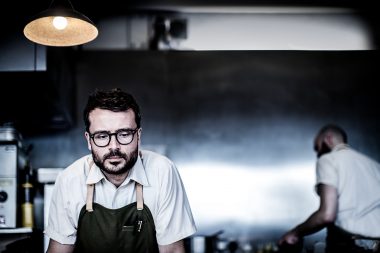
(340, 147)
(137, 173)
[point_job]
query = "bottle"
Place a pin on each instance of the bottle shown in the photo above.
(27, 214)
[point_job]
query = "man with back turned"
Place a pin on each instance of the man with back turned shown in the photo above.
(119, 198)
(348, 185)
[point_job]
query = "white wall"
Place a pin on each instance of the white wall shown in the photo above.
(244, 29)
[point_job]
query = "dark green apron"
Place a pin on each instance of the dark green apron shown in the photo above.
(129, 229)
(338, 240)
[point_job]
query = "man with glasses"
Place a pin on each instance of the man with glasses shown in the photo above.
(120, 198)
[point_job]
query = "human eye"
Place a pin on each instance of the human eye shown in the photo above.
(101, 136)
(124, 133)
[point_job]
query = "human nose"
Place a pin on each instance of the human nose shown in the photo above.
(113, 142)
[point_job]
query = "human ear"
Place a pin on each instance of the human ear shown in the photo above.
(329, 140)
(139, 135)
(87, 135)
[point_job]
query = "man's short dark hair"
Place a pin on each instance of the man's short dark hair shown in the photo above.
(336, 130)
(114, 100)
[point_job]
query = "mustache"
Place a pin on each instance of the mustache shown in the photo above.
(115, 152)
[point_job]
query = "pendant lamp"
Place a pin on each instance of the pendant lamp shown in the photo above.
(60, 25)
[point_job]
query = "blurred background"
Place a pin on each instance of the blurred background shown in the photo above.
(232, 92)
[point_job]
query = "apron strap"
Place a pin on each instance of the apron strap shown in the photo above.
(90, 191)
(139, 190)
(90, 197)
(139, 196)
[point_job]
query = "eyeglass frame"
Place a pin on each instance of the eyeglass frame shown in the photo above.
(133, 131)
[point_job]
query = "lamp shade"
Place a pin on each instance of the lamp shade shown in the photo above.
(77, 28)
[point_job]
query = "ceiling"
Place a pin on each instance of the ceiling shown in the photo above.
(18, 13)
(99, 9)
(117, 6)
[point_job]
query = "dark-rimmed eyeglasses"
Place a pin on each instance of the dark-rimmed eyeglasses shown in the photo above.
(123, 137)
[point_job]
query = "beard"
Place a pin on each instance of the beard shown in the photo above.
(116, 168)
(324, 150)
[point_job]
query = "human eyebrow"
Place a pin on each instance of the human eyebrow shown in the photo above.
(101, 132)
(117, 131)
(126, 129)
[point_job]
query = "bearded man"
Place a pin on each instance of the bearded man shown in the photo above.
(119, 198)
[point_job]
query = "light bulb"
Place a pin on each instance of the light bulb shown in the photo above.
(60, 23)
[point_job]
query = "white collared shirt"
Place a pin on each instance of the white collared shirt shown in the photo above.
(163, 193)
(357, 180)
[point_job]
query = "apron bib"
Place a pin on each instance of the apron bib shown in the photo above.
(129, 229)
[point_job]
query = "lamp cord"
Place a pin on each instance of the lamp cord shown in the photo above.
(72, 7)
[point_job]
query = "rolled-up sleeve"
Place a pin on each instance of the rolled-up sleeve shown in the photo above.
(326, 172)
(61, 226)
(174, 220)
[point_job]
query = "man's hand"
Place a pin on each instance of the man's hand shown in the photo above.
(290, 238)
(325, 215)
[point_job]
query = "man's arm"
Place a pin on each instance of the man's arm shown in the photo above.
(325, 215)
(56, 247)
(177, 247)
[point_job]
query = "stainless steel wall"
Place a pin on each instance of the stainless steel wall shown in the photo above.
(238, 124)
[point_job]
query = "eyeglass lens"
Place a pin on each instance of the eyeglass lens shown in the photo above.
(124, 137)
